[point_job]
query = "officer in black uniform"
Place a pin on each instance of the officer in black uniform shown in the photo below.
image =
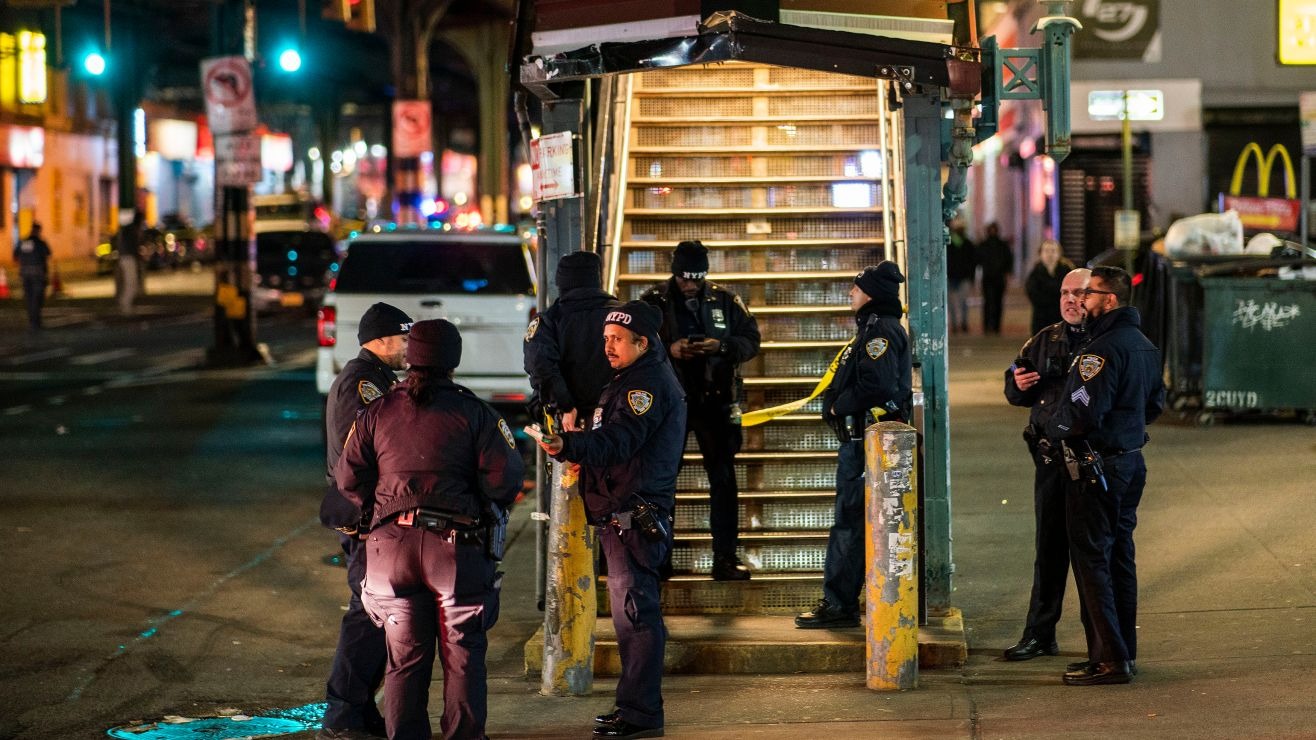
(437, 468)
(563, 347)
(1114, 390)
(629, 459)
(709, 332)
(359, 661)
(1037, 379)
(873, 381)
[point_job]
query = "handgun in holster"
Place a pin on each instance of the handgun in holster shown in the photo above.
(1084, 465)
(495, 532)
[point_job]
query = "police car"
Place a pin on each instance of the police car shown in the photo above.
(483, 281)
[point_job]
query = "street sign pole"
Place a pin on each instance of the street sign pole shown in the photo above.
(231, 111)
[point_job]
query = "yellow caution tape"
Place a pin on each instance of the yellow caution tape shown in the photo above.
(754, 418)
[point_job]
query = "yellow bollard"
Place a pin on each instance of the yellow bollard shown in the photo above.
(570, 596)
(891, 552)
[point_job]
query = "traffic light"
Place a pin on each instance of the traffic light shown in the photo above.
(290, 60)
(94, 63)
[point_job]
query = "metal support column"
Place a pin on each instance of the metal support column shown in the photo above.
(926, 265)
(570, 603)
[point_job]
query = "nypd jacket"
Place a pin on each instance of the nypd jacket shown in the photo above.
(454, 453)
(875, 371)
(1051, 351)
(363, 379)
(635, 443)
(713, 381)
(1114, 388)
(564, 350)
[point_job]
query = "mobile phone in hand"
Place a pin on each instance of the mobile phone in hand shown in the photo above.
(1025, 364)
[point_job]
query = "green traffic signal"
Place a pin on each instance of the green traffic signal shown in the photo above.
(290, 60)
(94, 63)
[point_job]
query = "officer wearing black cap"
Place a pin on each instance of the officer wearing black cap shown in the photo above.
(437, 468)
(358, 665)
(1113, 392)
(629, 459)
(873, 381)
(563, 347)
(709, 332)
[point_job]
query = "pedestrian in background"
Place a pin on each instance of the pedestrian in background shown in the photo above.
(437, 468)
(1036, 379)
(33, 256)
(1043, 285)
(1113, 391)
(629, 460)
(959, 276)
(709, 332)
(358, 666)
(563, 351)
(873, 381)
(994, 256)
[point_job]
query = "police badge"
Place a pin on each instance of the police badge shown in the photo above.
(876, 347)
(507, 433)
(532, 328)
(640, 401)
(368, 391)
(1089, 366)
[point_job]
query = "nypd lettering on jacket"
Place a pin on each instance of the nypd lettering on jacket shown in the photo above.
(635, 442)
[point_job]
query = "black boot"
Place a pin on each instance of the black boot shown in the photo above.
(729, 568)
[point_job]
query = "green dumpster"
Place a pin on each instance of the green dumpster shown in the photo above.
(1260, 349)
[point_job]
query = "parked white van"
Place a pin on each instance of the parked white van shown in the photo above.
(482, 281)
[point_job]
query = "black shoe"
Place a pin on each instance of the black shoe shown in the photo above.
(1083, 664)
(1098, 674)
(609, 718)
(729, 568)
(826, 616)
(1030, 648)
(620, 728)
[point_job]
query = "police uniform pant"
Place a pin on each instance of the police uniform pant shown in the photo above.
(359, 661)
(1051, 550)
(719, 441)
(633, 563)
(843, 569)
(426, 585)
(1101, 524)
(34, 297)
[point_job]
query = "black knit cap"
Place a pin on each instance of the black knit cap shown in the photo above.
(690, 261)
(434, 343)
(638, 316)
(382, 320)
(880, 281)
(579, 270)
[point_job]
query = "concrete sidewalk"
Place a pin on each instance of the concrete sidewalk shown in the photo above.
(1227, 566)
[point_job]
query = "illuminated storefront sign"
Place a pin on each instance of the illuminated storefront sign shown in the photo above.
(1143, 105)
(22, 146)
(1297, 32)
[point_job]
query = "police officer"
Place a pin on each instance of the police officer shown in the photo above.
(629, 459)
(1037, 379)
(873, 380)
(563, 347)
(709, 332)
(437, 468)
(1114, 390)
(32, 254)
(358, 665)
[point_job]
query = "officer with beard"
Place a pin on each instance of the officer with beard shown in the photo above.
(1036, 380)
(358, 665)
(1113, 392)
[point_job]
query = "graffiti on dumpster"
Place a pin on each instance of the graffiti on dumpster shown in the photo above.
(1269, 316)
(1232, 399)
